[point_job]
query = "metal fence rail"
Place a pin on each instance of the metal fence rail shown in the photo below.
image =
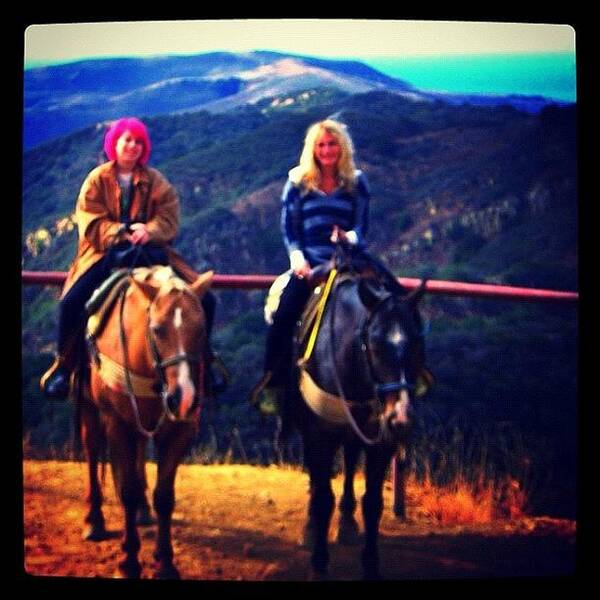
(449, 288)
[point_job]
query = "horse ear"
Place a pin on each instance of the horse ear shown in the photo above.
(415, 296)
(149, 290)
(201, 285)
(369, 292)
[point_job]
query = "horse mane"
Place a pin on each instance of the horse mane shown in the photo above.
(158, 276)
(159, 280)
(163, 279)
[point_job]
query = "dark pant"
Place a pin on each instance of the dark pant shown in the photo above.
(279, 343)
(71, 319)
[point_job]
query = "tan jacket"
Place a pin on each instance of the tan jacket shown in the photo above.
(98, 213)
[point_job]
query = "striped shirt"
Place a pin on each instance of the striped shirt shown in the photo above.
(309, 229)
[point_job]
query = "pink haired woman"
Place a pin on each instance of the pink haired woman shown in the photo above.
(122, 203)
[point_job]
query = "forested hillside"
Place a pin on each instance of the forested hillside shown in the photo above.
(458, 192)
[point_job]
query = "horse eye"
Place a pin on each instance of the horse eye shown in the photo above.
(158, 330)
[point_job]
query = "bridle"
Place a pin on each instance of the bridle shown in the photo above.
(159, 365)
(381, 389)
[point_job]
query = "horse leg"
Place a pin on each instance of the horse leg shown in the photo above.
(123, 443)
(377, 460)
(399, 465)
(92, 436)
(348, 527)
(319, 458)
(144, 516)
(171, 450)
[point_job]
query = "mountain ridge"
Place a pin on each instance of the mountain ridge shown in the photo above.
(63, 98)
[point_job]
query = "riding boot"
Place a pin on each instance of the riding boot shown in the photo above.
(425, 381)
(267, 396)
(55, 383)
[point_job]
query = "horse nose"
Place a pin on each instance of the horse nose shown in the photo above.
(397, 418)
(402, 411)
(182, 401)
(174, 400)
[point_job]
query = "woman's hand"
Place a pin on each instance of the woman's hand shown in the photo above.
(338, 235)
(299, 265)
(302, 270)
(139, 233)
(348, 237)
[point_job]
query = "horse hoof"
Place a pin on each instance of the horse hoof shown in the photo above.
(348, 533)
(144, 517)
(128, 570)
(95, 533)
(318, 575)
(372, 575)
(400, 513)
(308, 538)
(167, 572)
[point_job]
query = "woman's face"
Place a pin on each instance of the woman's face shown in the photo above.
(327, 150)
(129, 149)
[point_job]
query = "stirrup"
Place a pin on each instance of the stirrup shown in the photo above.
(425, 380)
(266, 399)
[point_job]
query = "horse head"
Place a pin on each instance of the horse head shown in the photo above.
(393, 344)
(176, 337)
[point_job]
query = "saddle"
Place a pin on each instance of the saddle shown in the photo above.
(309, 315)
(99, 305)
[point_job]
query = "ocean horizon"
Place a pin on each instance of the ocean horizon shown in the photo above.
(552, 75)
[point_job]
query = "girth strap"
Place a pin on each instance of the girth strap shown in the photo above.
(113, 375)
(328, 406)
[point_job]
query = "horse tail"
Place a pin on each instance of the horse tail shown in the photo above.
(77, 445)
(77, 418)
(103, 459)
(81, 398)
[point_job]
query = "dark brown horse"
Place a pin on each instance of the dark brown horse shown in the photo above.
(145, 382)
(355, 391)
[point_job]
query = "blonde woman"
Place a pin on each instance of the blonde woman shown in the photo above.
(325, 199)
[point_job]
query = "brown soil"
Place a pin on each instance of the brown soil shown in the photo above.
(242, 522)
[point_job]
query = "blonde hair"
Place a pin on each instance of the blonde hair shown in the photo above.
(308, 172)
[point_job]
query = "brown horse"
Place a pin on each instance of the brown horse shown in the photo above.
(146, 382)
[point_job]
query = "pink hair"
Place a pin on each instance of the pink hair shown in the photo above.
(118, 128)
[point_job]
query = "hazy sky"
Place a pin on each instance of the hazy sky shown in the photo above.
(55, 43)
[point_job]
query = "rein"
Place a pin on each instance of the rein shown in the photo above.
(338, 385)
(159, 365)
(380, 388)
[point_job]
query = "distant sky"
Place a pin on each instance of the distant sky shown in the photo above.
(329, 38)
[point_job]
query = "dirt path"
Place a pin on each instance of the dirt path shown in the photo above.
(241, 522)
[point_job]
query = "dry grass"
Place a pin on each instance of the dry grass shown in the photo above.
(243, 522)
